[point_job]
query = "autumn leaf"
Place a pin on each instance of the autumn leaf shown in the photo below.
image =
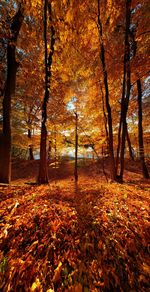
(36, 286)
(57, 272)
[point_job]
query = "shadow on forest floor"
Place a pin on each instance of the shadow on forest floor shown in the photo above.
(27, 171)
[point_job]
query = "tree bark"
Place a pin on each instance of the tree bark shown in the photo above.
(49, 150)
(12, 65)
(125, 95)
(105, 120)
(108, 108)
(55, 147)
(43, 169)
(31, 156)
(76, 148)
(140, 131)
(121, 114)
(129, 146)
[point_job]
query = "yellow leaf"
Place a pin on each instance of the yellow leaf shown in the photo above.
(57, 272)
(36, 285)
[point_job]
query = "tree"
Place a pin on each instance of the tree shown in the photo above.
(125, 93)
(43, 171)
(140, 131)
(129, 145)
(12, 65)
(108, 108)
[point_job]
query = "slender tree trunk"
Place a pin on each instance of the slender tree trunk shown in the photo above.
(108, 108)
(125, 96)
(49, 150)
(43, 169)
(31, 156)
(76, 148)
(55, 147)
(121, 114)
(12, 65)
(105, 120)
(140, 131)
(129, 145)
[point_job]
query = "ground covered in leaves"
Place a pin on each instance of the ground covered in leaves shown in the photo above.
(93, 236)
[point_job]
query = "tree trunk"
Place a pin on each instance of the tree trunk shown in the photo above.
(108, 108)
(125, 95)
(49, 150)
(55, 147)
(76, 148)
(105, 120)
(129, 146)
(121, 115)
(43, 169)
(31, 156)
(5, 145)
(140, 131)
(12, 65)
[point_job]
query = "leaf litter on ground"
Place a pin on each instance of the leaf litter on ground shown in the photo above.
(92, 237)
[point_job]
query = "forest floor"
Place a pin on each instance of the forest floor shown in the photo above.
(91, 236)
